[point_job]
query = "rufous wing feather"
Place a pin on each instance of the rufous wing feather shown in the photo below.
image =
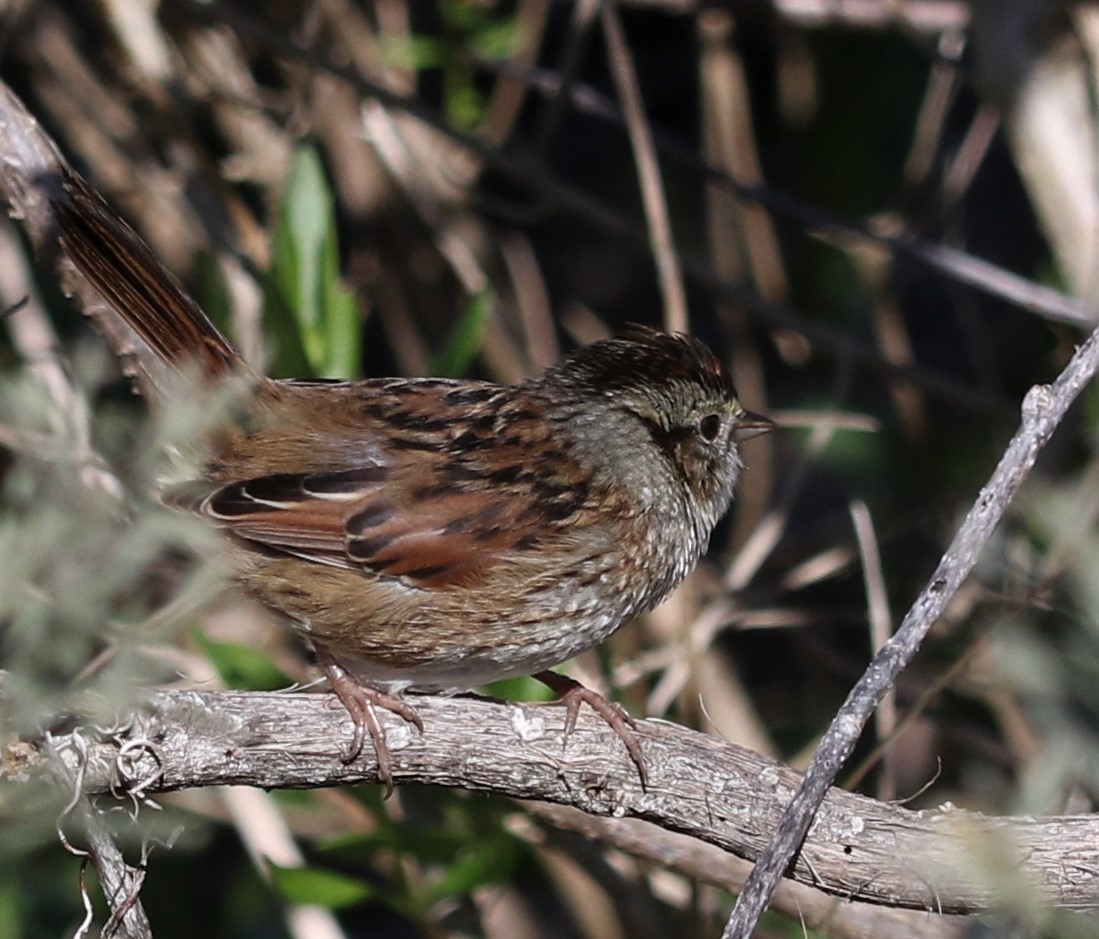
(361, 519)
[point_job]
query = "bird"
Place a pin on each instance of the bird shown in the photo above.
(431, 534)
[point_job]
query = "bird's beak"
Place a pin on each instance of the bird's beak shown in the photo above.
(751, 425)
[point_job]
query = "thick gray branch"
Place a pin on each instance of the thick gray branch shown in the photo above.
(714, 791)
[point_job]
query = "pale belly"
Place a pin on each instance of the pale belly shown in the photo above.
(460, 669)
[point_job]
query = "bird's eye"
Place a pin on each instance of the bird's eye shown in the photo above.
(708, 427)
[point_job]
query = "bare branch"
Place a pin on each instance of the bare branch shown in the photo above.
(710, 865)
(120, 882)
(1043, 409)
(716, 792)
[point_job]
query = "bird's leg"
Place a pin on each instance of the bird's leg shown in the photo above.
(361, 702)
(573, 694)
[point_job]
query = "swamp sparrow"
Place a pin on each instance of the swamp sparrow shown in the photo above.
(436, 534)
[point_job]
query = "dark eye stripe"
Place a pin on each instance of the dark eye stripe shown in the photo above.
(667, 441)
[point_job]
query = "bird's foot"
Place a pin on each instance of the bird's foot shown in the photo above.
(573, 694)
(361, 702)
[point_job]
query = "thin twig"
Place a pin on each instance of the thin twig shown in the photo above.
(572, 58)
(981, 275)
(66, 762)
(881, 626)
(669, 272)
(1043, 409)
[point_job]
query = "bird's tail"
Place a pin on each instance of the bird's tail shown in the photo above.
(170, 328)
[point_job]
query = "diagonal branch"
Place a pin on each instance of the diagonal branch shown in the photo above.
(1043, 410)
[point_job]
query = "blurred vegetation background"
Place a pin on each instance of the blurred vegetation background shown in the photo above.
(883, 215)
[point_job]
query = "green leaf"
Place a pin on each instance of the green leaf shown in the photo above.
(497, 40)
(323, 888)
(426, 845)
(489, 861)
(465, 105)
(343, 333)
(213, 292)
(519, 689)
(289, 358)
(416, 52)
(318, 316)
(465, 338)
(461, 16)
(240, 666)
